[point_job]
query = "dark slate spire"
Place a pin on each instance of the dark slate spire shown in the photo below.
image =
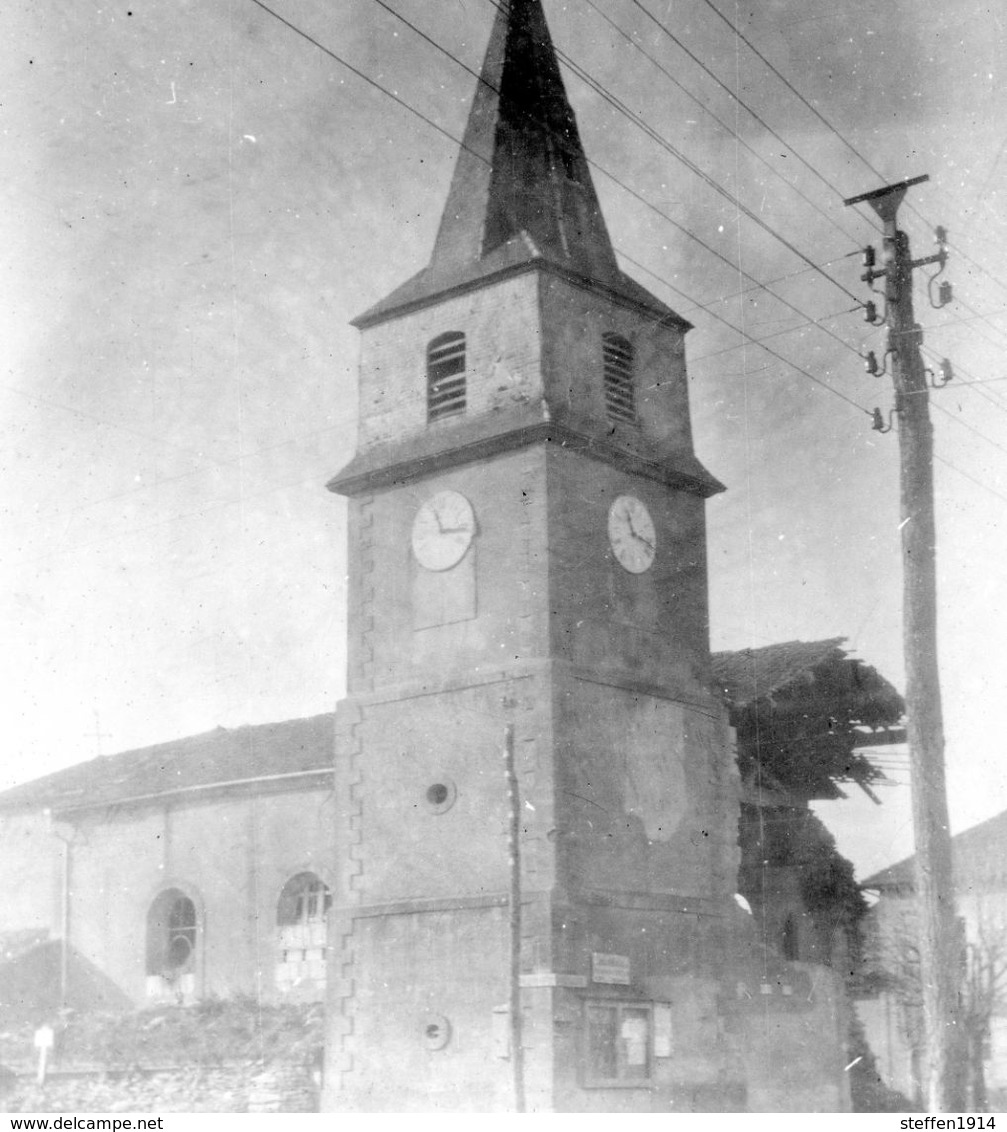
(521, 191)
(522, 172)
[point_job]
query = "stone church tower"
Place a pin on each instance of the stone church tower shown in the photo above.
(527, 590)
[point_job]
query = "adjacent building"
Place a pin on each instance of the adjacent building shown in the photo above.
(200, 867)
(889, 1000)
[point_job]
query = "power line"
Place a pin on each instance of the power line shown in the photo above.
(977, 482)
(707, 304)
(701, 173)
(611, 176)
(821, 117)
(775, 334)
(733, 94)
(997, 402)
(982, 436)
(724, 125)
(360, 74)
(622, 184)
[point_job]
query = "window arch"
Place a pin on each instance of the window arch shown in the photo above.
(620, 391)
(172, 935)
(446, 375)
(301, 914)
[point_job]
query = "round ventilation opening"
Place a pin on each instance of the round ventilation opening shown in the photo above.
(441, 795)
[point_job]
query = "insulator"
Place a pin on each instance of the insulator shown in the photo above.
(946, 371)
(940, 235)
(871, 363)
(869, 256)
(870, 312)
(879, 422)
(944, 293)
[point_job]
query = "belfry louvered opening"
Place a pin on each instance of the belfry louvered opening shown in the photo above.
(620, 395)
(446, 376)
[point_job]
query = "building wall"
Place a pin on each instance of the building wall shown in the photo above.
(651, 627)
(573, 322)
(792, 1046)
(30, 874)
(891, 1029)
(231, 855)
(493, 601)
(502, 360)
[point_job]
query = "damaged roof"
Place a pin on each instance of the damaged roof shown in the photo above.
(750, 674)
(803, 709)
(225, 756)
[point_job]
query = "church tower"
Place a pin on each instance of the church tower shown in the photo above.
(528, 594)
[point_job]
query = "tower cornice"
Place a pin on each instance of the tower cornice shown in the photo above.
(388, 465)
(423, 291)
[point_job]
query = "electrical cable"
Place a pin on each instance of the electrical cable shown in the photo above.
(821, 117)
(762, 122)
(632, 192)
(724, 125)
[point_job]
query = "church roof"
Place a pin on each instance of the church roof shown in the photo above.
(223, 757)
(750, 674)
(521, 196)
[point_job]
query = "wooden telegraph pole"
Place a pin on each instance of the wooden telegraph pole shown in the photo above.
(939, 942)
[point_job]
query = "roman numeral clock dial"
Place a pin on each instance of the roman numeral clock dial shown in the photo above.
(631, 534)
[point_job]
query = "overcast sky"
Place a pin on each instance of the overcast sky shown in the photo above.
(197, 200)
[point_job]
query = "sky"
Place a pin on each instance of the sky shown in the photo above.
(197, 200)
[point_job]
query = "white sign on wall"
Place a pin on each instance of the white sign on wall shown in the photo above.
(612, 969)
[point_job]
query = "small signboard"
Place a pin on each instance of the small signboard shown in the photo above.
(612, 969)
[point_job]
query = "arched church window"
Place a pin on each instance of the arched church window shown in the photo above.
(620, 393)
(301, 914)
(172, 931)
(446, 376)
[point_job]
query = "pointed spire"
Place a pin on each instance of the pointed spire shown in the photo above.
(522, 173)
(522, 191)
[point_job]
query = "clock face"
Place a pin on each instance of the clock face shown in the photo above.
(631, 534)
(443, 530)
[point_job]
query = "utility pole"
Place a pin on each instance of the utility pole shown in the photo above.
(939, 942)
(514, 844)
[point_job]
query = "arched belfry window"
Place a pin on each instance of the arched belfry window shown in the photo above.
(172, 933)
(301, 914)
(620, 393)
(446, 376)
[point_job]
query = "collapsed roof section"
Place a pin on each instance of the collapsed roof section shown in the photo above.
(803, 711)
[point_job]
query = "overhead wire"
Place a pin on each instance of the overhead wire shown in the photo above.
(406, 105)
(701, 173)
(678, 42)
(744, 39)
(726, 126)
(733, 94)
(821, 117)
(457, 141)
(594, 164)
